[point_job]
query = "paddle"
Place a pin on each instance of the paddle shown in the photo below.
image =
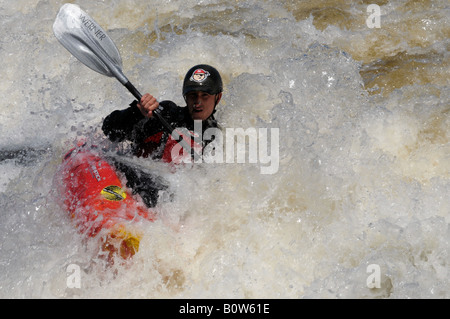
(90, 44)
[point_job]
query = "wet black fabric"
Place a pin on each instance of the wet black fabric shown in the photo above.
(147, 185)
(130, 125)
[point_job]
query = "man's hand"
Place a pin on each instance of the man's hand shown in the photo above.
(147, 105)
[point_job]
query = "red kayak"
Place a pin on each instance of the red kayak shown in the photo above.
(94, 196)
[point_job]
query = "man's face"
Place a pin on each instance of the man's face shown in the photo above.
(201, 104)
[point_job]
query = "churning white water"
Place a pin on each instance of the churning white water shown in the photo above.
(358, 208)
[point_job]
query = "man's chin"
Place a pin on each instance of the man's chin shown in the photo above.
(197, 116)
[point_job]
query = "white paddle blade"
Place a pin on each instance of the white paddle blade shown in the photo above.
(87, 41)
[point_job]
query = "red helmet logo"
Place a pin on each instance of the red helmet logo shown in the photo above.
(199, 75)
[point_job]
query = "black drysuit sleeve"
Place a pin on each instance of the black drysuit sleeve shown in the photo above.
(130, 124)
(120, 124)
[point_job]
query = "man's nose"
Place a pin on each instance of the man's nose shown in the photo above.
(197, 100)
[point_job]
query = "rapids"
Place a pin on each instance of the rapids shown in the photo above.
(358, 207)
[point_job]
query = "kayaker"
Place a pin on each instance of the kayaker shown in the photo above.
(202, 92)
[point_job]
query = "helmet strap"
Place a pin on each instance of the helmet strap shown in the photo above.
(215, 103)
